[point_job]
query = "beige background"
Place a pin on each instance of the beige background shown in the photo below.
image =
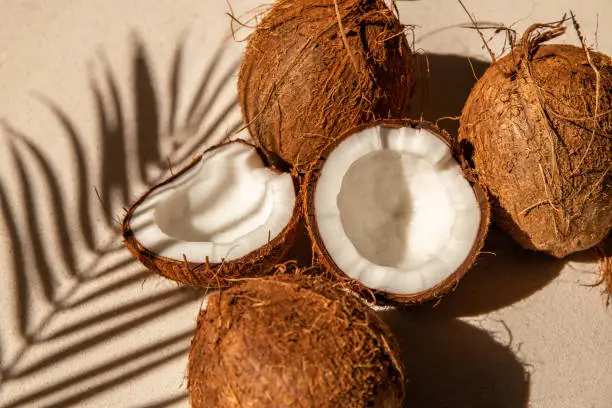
(81, 324)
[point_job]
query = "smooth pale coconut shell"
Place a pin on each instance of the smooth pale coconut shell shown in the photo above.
(213, 275)
(528, 130)
(311, 71)
(323, 257)
(278, 342)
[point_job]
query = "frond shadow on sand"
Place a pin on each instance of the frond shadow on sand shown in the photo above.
(156, 144)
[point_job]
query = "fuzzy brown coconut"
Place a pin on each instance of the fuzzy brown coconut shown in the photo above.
(275, 342)
(315, 68)
(225, 216)
(392, 214)
(537, 131)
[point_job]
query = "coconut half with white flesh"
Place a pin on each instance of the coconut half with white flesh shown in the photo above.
(392, 213)
(226, 215)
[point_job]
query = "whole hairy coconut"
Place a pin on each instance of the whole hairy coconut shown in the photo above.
(286, 343)
(315, 68)
(537, 130)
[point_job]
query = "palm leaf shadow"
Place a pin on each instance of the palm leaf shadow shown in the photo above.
(198, 130)
(84, 182)
(57, 202)
(100, 369)
(107, 290)
(123, 170)
(175, 75)
(18, 266)
(38, 251)
(167, 402)
(119, 380)
(176, 301)
(108, 316)
(113, 137)
(147, 115)
(204, 83)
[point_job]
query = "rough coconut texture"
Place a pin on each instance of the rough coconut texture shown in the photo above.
(204, 273)
(315, 68)
(323, 254)
(604, 257)
(278, 343)
(537, 130)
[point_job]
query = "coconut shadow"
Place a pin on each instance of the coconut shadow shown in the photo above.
(504, 274)
(301, 248)
(511, 274)
(450, 363)
(442, 92)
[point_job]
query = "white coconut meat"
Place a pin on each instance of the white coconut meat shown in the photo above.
(394, 210)
(224, 207)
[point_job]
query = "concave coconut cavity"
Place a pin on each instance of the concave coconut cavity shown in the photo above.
(392, 213)
(280, 343)
(537, 130)
(315, 68)
(224, 216)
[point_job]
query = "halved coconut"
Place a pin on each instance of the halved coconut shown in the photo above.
(391, 211)
(226, 215)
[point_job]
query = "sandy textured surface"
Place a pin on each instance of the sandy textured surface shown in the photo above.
(106, 93)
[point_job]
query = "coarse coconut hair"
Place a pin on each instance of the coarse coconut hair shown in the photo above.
(315, 68)
(537, 132)
(604, 257)
(285, 342)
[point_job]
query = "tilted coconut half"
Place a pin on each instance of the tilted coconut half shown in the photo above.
(281, 343)
(392, 213)
(314, 68)
(224, 216)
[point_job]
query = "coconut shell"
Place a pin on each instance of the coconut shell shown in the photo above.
(278, 342)
(530, 133)
(323, 257)
(213, 275)
(311, 71)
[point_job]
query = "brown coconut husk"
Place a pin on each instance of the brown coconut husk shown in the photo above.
(537, 129)
(603, 252)
(315, 68)
(209, 275)
(280, 342)
(323, 258)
